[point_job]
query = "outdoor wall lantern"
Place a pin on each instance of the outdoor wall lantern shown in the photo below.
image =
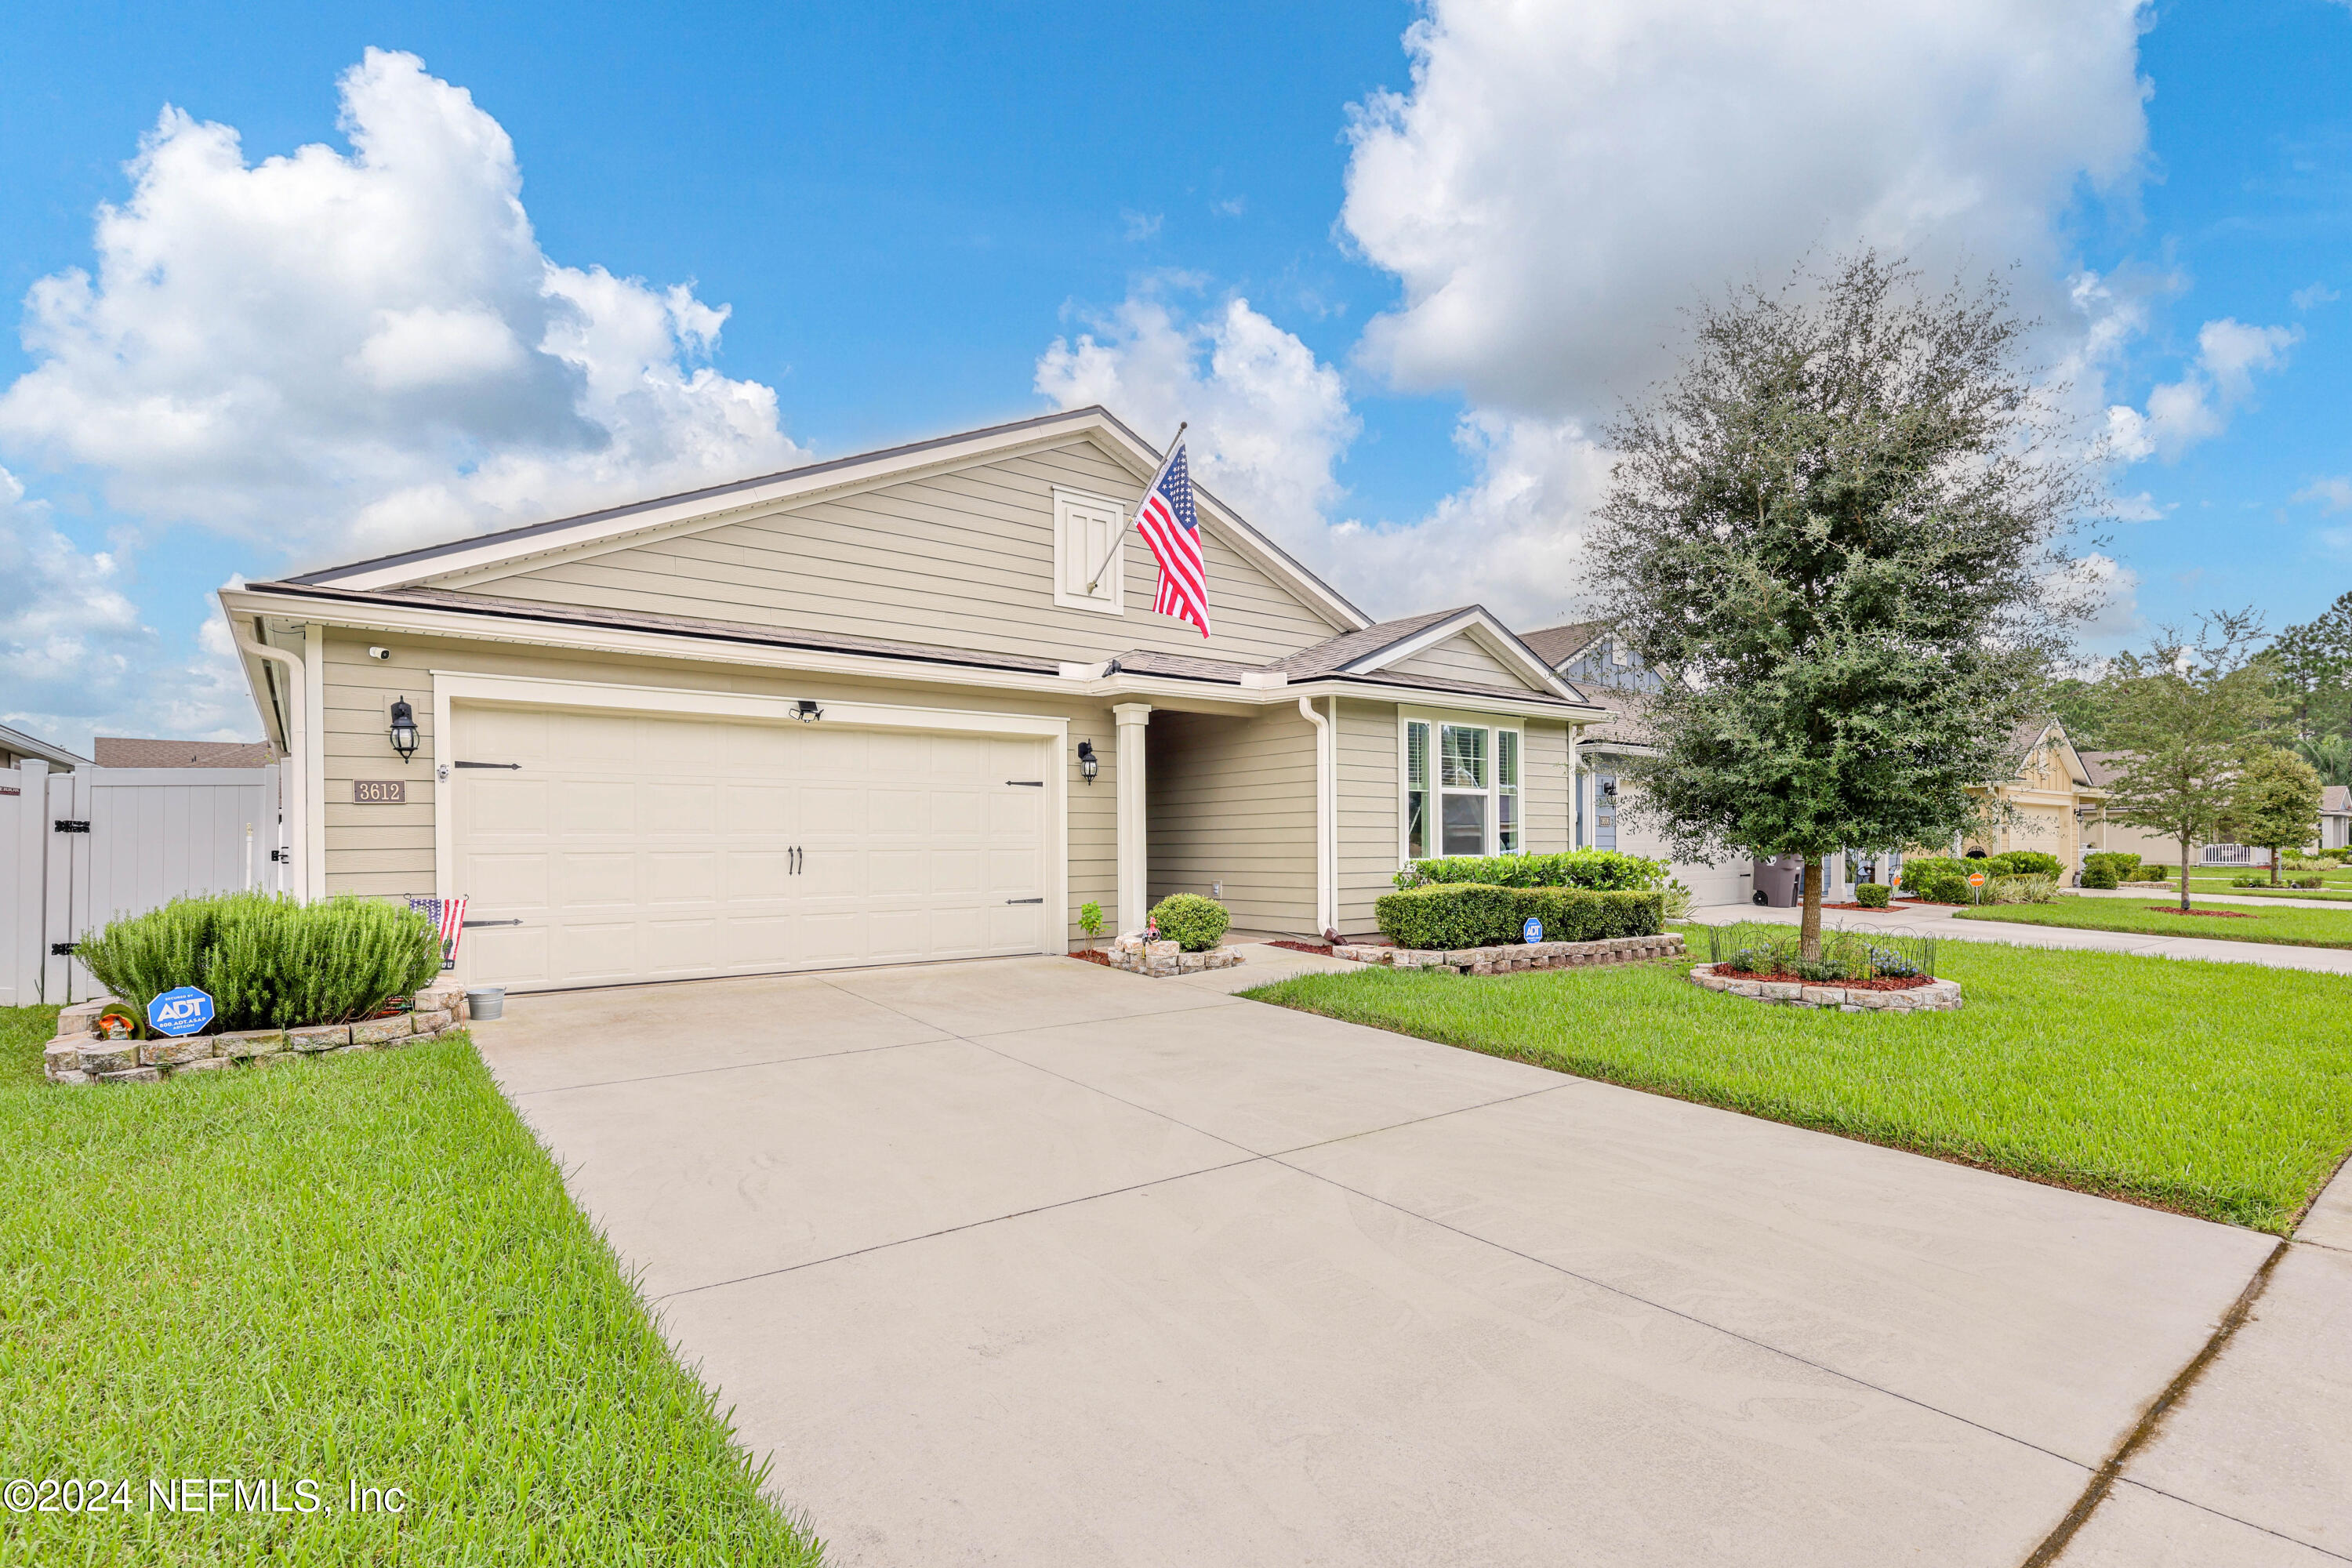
(403, 728)
(807, 712)
(1087, 766)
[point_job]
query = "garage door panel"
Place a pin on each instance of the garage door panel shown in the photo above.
(635, 846)
(503, 805)
(587, 880)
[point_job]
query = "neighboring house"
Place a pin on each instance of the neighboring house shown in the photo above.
(2334, 817)
(15, 746)
(2057, 801)
(1584, 654)
(125, 751)
(2160, 849)
(887, 707)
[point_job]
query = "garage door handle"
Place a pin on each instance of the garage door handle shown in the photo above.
(515, 766)
(470, 924)
(1026, 783)
(1024, 900)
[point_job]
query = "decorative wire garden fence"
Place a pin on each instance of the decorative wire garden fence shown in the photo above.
(1894, 953)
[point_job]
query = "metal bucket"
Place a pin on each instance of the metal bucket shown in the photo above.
(489, 1003)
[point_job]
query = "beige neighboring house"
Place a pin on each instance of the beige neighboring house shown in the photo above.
(129, 752)
(15, 746)
(2334, 817)
(2057, 801)
(904, 706)
(2160, 849)
(1583, 654)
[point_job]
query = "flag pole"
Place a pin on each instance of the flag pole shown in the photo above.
(1118, 539)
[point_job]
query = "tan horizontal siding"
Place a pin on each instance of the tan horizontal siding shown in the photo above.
(1368, 800)
(1232, 801)
(963, 560)
(1459, 659)
(1543, 775)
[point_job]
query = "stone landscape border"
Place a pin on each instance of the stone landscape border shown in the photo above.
(1510, 958)
(1158, 960)
(1935, 996)
(79, 1056)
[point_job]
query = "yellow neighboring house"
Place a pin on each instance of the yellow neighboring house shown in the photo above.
(2057, 798)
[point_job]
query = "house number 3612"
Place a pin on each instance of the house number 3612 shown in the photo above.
(379, 792)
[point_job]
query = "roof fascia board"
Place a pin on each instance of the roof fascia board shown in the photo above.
(1484, 630)
(437, 621)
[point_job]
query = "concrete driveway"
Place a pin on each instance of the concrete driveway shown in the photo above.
(1030, 1262)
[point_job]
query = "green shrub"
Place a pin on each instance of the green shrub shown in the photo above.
(2027, 863)
(2030, 890)
(269, 961)
(2308, 882)
(2109, 867)
(1090, 918)
(1872, 895)
(2151, 874)
(1940, 879)
(2098, 876)
(2250, 881)
(1448, 915)
(1603, 870)
(1190, 920)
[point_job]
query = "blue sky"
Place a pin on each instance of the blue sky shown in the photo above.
(1395, 322)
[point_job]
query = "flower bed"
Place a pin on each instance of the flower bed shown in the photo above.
(1513, 957)
(79, 1056)
(1911, 993)
(2205, 914)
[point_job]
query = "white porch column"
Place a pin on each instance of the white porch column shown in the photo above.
(1134, 857)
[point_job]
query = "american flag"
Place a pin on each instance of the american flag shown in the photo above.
(1172, 529)
(449, 918)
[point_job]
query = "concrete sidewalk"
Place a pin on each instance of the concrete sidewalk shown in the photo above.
(1030, 1262)
(1941, 921)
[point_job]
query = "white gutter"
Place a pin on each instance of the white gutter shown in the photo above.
(1326, 871)
(293, 781)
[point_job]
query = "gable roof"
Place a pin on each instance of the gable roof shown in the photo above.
(2030, 735)
(2336, 800)
(1558, 645)
(716, 505)
(1374, 648)
(26, 745)
(128, 751)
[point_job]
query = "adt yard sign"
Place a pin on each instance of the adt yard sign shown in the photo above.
(179, 1012)
(1532, 930)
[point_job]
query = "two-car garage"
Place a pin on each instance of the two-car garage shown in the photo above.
(600, 844)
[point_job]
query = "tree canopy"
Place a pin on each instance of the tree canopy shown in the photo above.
(2277, 805)
(1842, 525)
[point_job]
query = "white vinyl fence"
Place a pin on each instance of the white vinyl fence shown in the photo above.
(81, 848)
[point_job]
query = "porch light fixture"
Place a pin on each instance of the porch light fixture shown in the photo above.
(403, 728)
(1087, 766)
(807, 712)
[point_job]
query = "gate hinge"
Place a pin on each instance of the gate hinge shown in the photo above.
(72, 825)
(61, 950)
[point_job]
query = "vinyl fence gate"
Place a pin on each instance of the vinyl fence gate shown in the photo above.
(81, 848)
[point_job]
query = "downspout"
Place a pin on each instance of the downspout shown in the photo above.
(293, 792)
(1327, 902)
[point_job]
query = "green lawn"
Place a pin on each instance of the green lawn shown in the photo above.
(2219, 1090)
(2296, 928)
(362, 1268)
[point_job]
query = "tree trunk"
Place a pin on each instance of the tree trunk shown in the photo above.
(2184, 874)
(1809, 928)
(2275, 857)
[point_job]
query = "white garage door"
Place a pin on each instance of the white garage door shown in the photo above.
(628, 846)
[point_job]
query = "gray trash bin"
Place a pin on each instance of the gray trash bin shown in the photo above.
(1779, 881)
(485, 1004)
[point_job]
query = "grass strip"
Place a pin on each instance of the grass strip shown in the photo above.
(2217, 1089)
(362, 1268)
(2289, 927)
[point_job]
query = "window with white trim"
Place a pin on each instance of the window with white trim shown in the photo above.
(1459, 788)
(1089, 554)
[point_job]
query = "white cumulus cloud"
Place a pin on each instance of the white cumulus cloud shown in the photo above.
(2198, 406)
(340, 353)
(1558, 180)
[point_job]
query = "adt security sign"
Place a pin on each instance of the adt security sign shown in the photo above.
(179, 1012)
(1532, 930)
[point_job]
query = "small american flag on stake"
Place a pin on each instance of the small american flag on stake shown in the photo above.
(449, 918)
(1172, 529)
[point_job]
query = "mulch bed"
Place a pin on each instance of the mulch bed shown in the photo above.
(1322, 949)
(1092, 955)
(2209, 914)
(1883, 982)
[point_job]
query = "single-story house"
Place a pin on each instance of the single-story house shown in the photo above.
(1586, 655)
(15, 746)
(907, 705)
(136, 751)
(2158, 849)
(2334, 817)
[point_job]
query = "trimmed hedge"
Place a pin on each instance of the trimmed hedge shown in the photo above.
(269, 961)
(1603, 870)
(2028, 863)
(1940, 879)
(1872, 895)
(2109, 867)
(1190, 920)
(1450, 915)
